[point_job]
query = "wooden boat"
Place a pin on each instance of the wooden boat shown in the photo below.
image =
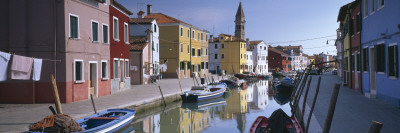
(204, 104)
(235, 82)
(284, 86)
(245, 75)
(278, 122)
(203, 93)
(109, 120)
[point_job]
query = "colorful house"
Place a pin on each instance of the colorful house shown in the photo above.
(355, 33)
(73, 41)
(214, 55)
(380, 38)
(233, 54)
(260, 56)
(183, 45)
(119, 47)
(344, 18)
(278, 60)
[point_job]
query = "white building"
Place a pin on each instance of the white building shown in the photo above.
(260, 56)
(138, 27)
(299, 61)
(214, 58)
(249, 57)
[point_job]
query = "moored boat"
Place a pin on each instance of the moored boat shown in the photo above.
(278, 122)
(203, 93)
(284, 86)
(235, 82)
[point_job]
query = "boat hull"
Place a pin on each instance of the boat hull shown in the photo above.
(189, 96)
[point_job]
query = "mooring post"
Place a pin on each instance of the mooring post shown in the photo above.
(303, 84)
(52, 110)
(179, 80)
(56, 97)
(331, 110)
(205, 78)
(305, 97)
(165, 104)
(375, 127)
(313, 104)
(193, 79)
(94, 107)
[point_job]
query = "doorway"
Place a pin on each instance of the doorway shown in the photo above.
(93, 84)
(355, 71)
(372, 72)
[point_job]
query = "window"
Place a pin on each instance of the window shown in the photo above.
(380, 58)
(95, 31)
(202, 65)
(216, 46)
(188, 33)
(193, 34)
(182, 65)
(215, 56)
(198, 52)
(201, 52)
(181, 48)
(126, 35)
(365, 8)
(393, 64)
(198, 35)
(155, 28)
(115, 29)
(193, 52)
(201, 36)
(78, 73)
(222, 45)
(188, 65)
(222, 38)
(73, 26)
(188, 49)
(352, 63)
(104, 69)
(206, 37)
(152, 46)
(181, 31)
(206, 51)
(222, 56)
(105, 33)
(381, 4)
(126, 68)
(115, 68)
(198, 67)
(241, 56)
(372, 6)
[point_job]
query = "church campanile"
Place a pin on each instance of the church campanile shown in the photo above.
(239, 23)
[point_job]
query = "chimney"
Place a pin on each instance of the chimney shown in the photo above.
(149, 9)
(211, 38)
(140, 14)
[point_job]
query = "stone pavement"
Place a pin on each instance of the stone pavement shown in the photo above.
(17, 117)
(354, 112)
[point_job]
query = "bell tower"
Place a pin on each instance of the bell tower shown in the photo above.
(239, 22)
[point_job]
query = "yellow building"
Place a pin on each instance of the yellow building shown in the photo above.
(232, 53)
(183, 45)
(236, 104)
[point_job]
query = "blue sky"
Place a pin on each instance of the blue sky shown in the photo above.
(268, 20)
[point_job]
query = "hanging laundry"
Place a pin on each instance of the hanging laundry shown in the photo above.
(37, 69)
(21, 67)
(4, 59)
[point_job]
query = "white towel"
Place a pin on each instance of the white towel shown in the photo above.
(37, 69)
(4, 59)
(21, 67)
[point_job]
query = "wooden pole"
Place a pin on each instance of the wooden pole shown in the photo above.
(305, 97)
(205, 78)
(56, 97)
(94, 107)
(197, 81)
(193, 79)
(52, 110)
(331, 110)
(375, 127)
(313, 105)
(179, 80)
(165, 104)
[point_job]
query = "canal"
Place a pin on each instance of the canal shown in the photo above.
(233, 113)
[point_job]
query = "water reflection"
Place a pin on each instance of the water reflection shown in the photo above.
(232, 114)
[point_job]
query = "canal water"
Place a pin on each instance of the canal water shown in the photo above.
(233, 113)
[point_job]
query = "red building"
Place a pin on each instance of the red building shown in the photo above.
(355, 33)
(278, 60)
(119, 47)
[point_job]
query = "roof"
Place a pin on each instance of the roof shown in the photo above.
(138, 42)
(276, 51)
(343, 11)
(141, 20)
(163, 19)
(255, 42)
(240, 12)
(121, 7)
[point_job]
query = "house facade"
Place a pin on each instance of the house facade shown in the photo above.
(380, 38)
(69, 37)
(233, 52)
(214, 55)
(344, 20)
(355, 34)
(119, 47)
(260, 56)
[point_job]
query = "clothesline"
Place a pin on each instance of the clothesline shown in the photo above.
(37, 58)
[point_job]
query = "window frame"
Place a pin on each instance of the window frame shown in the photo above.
(101, 72)
(222, 56)
(82, 71)
(91, 27)
(199, 52)
(193, 51)
(69, 22)
(126, 68)
(108, 33)
(193, 35)
(115, 33)
(181, 48)
(379, 4)
(126, 33)
(372, 7)
(188, 49)
(188, 33)
(365, 6)
(395, 61)
(115, 74)
(181, 32)
(380, 47)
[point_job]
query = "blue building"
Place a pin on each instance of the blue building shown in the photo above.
(380, 37)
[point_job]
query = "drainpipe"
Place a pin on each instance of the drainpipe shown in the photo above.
(190, 49)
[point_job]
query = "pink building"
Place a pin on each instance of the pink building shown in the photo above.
(71, 35)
